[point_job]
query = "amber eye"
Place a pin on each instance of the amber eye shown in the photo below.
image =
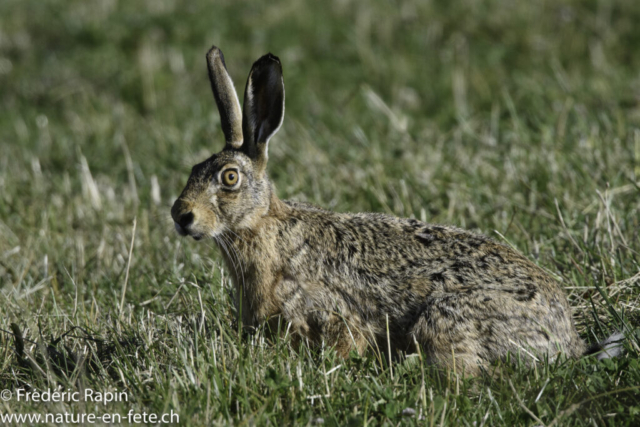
(230, 177)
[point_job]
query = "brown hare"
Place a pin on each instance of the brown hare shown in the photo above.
(361, 280)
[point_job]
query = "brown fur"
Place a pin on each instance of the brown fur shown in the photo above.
(355, 281)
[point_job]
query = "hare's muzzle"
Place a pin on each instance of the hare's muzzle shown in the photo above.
(183, 220)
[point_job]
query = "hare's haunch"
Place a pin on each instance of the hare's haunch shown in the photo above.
(360, 280)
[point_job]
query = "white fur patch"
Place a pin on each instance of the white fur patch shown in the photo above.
(236, 114)
(611, 347)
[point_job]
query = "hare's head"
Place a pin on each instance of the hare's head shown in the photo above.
(230, 190)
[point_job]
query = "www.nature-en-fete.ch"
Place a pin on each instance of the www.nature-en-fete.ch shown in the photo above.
(82, 418)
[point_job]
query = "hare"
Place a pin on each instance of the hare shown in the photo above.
(364, 280)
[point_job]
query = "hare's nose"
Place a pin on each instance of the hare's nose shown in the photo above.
(184, 220)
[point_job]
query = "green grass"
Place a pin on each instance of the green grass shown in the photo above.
(517, 119)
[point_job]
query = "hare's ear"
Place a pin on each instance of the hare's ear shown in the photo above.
(226, 98)
(263, 108)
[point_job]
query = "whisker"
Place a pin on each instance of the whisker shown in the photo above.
(237, 256)
(239, 259)
(234, 233)
(222, 243)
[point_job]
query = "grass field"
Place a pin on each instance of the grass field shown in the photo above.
(516, 119)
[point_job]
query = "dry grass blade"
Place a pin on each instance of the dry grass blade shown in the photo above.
(126, 275)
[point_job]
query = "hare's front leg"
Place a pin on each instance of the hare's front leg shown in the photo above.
(317, 317)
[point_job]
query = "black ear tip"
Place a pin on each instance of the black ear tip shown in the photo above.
(272, 57)
(267, 60)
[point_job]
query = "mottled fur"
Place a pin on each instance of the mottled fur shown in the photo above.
(355, 281)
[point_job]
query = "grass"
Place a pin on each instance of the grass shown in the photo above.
(517, 119)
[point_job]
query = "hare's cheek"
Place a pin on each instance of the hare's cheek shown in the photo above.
(210, 203)
(212, 198)
(211, 223)
(227, 207)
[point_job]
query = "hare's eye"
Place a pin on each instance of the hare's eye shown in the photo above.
(230, 177)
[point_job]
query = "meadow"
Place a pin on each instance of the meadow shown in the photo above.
(516, 119)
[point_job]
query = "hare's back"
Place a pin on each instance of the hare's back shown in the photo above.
(394, 258)
(447, 256)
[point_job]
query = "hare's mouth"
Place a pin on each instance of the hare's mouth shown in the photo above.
(184, 231)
